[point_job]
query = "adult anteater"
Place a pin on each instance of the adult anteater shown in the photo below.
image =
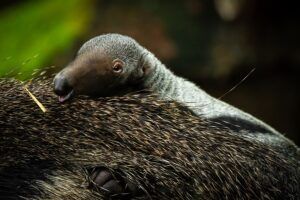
(159, 146)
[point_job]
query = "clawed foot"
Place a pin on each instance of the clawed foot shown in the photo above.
(101, 179)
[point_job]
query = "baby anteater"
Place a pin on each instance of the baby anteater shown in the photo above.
(114, 64)
(159, 146)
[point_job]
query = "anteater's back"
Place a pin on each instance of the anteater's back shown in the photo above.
(157, 145)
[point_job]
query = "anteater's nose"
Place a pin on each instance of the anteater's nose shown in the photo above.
(61, 85)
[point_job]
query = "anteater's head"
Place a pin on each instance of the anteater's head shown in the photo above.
(106, 65)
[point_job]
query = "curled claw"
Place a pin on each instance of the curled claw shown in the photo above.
(101, 179)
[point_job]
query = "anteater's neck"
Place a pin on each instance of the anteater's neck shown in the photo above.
(160, 79)
(169, 86)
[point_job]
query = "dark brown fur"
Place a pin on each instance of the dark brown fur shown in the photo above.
(98, 69)
(157, 145)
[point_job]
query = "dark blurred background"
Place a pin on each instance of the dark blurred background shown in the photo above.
(213, 43)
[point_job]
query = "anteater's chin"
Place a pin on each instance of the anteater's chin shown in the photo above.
(64, 98)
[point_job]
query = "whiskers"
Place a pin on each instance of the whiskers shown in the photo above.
(238, 84)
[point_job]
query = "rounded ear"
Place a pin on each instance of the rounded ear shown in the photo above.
(143, 69)
(144, 66)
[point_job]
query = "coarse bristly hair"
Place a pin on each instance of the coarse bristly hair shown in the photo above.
(160, 79)
(158, 145)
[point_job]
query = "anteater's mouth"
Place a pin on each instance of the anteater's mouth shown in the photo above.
(63, 98)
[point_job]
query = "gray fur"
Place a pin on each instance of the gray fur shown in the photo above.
(115, 46)
(171, 87)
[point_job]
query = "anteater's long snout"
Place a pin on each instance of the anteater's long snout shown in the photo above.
(62, 87)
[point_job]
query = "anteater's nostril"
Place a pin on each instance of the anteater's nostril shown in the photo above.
(61, 86)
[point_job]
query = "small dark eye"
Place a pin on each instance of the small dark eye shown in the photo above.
(117, 67)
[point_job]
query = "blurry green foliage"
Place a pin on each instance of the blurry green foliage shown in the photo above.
(32, 33)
